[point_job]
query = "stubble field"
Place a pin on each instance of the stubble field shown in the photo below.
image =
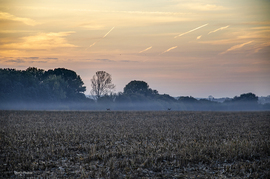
(113, 144)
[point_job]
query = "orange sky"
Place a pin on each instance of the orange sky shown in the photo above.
(179, 47)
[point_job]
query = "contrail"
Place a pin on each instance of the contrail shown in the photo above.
(145, 49)
(108, 33)
(199, 37)
(169, 50)
(100, 39)
(221, 28)
(92, 45)
(236, 47)
(191, 30)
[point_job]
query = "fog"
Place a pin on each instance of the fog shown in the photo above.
(142, 106)
(62, 89)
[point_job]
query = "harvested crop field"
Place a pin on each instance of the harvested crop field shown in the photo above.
(115, 144)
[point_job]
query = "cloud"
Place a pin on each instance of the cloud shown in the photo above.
(104, 18)
(110, 61)
(127, 61)
(169, 49)
(107, 11)
(39, 61)
(261, 46)
(32, 58)
(190, 31)
(145, 49)
(16, 61)
(221, 28)
(257, 23)
(261, 28)
(25, 60)
(91, 25)
(149, 12)
(199, 37)
(27, 21)
(50, 58)
(220, 42)
(104, 60)
(258, 34)
(204, 7)
(14, 31)
(42, 41)
(236, 47)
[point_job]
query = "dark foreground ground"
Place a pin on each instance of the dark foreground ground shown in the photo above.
(134, 144)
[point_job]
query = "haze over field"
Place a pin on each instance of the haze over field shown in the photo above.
(179, 47)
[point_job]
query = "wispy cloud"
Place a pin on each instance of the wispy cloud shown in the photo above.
(107, 11)
(27, 21)
(100, 38)
(110, 61)
(128, 61)
(261, 46)
(262, 28)
(203, 7)
(49, 58)
(149, 12)
(41, 41)
(191, 31)
(14, 31)
(145, 49)
(16, 61)
(169, 49)
(25, 60)
(221, 28)
(235, 47)
(104, 60)
(91, 25)
(32, 58)
(221, 41)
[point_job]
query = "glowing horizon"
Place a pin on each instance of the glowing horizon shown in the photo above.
(182, 48)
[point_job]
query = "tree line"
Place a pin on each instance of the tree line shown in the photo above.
(62, 88)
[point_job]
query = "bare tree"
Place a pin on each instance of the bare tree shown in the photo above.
(101, 84)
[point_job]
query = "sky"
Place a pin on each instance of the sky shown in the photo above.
(179, 47)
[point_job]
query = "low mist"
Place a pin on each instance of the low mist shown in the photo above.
(143, 106)
(63, 89)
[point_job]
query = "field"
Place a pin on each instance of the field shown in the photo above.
(115, 144)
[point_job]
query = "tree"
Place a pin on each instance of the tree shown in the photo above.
(187, 99)
(56, 86)
(37, 73)
(101, 84)
(37, 85)
(246, 98)
(139, 87)
(247, 101)
(74, 84)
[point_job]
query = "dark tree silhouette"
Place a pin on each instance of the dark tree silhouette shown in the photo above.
(187, 99)
(74, 81)
(247, 98)
(101, 84)
(139, 87)
(37, 85)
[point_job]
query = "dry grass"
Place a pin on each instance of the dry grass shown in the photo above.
(135, 144)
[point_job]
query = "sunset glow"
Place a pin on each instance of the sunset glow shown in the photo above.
(179, 47)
